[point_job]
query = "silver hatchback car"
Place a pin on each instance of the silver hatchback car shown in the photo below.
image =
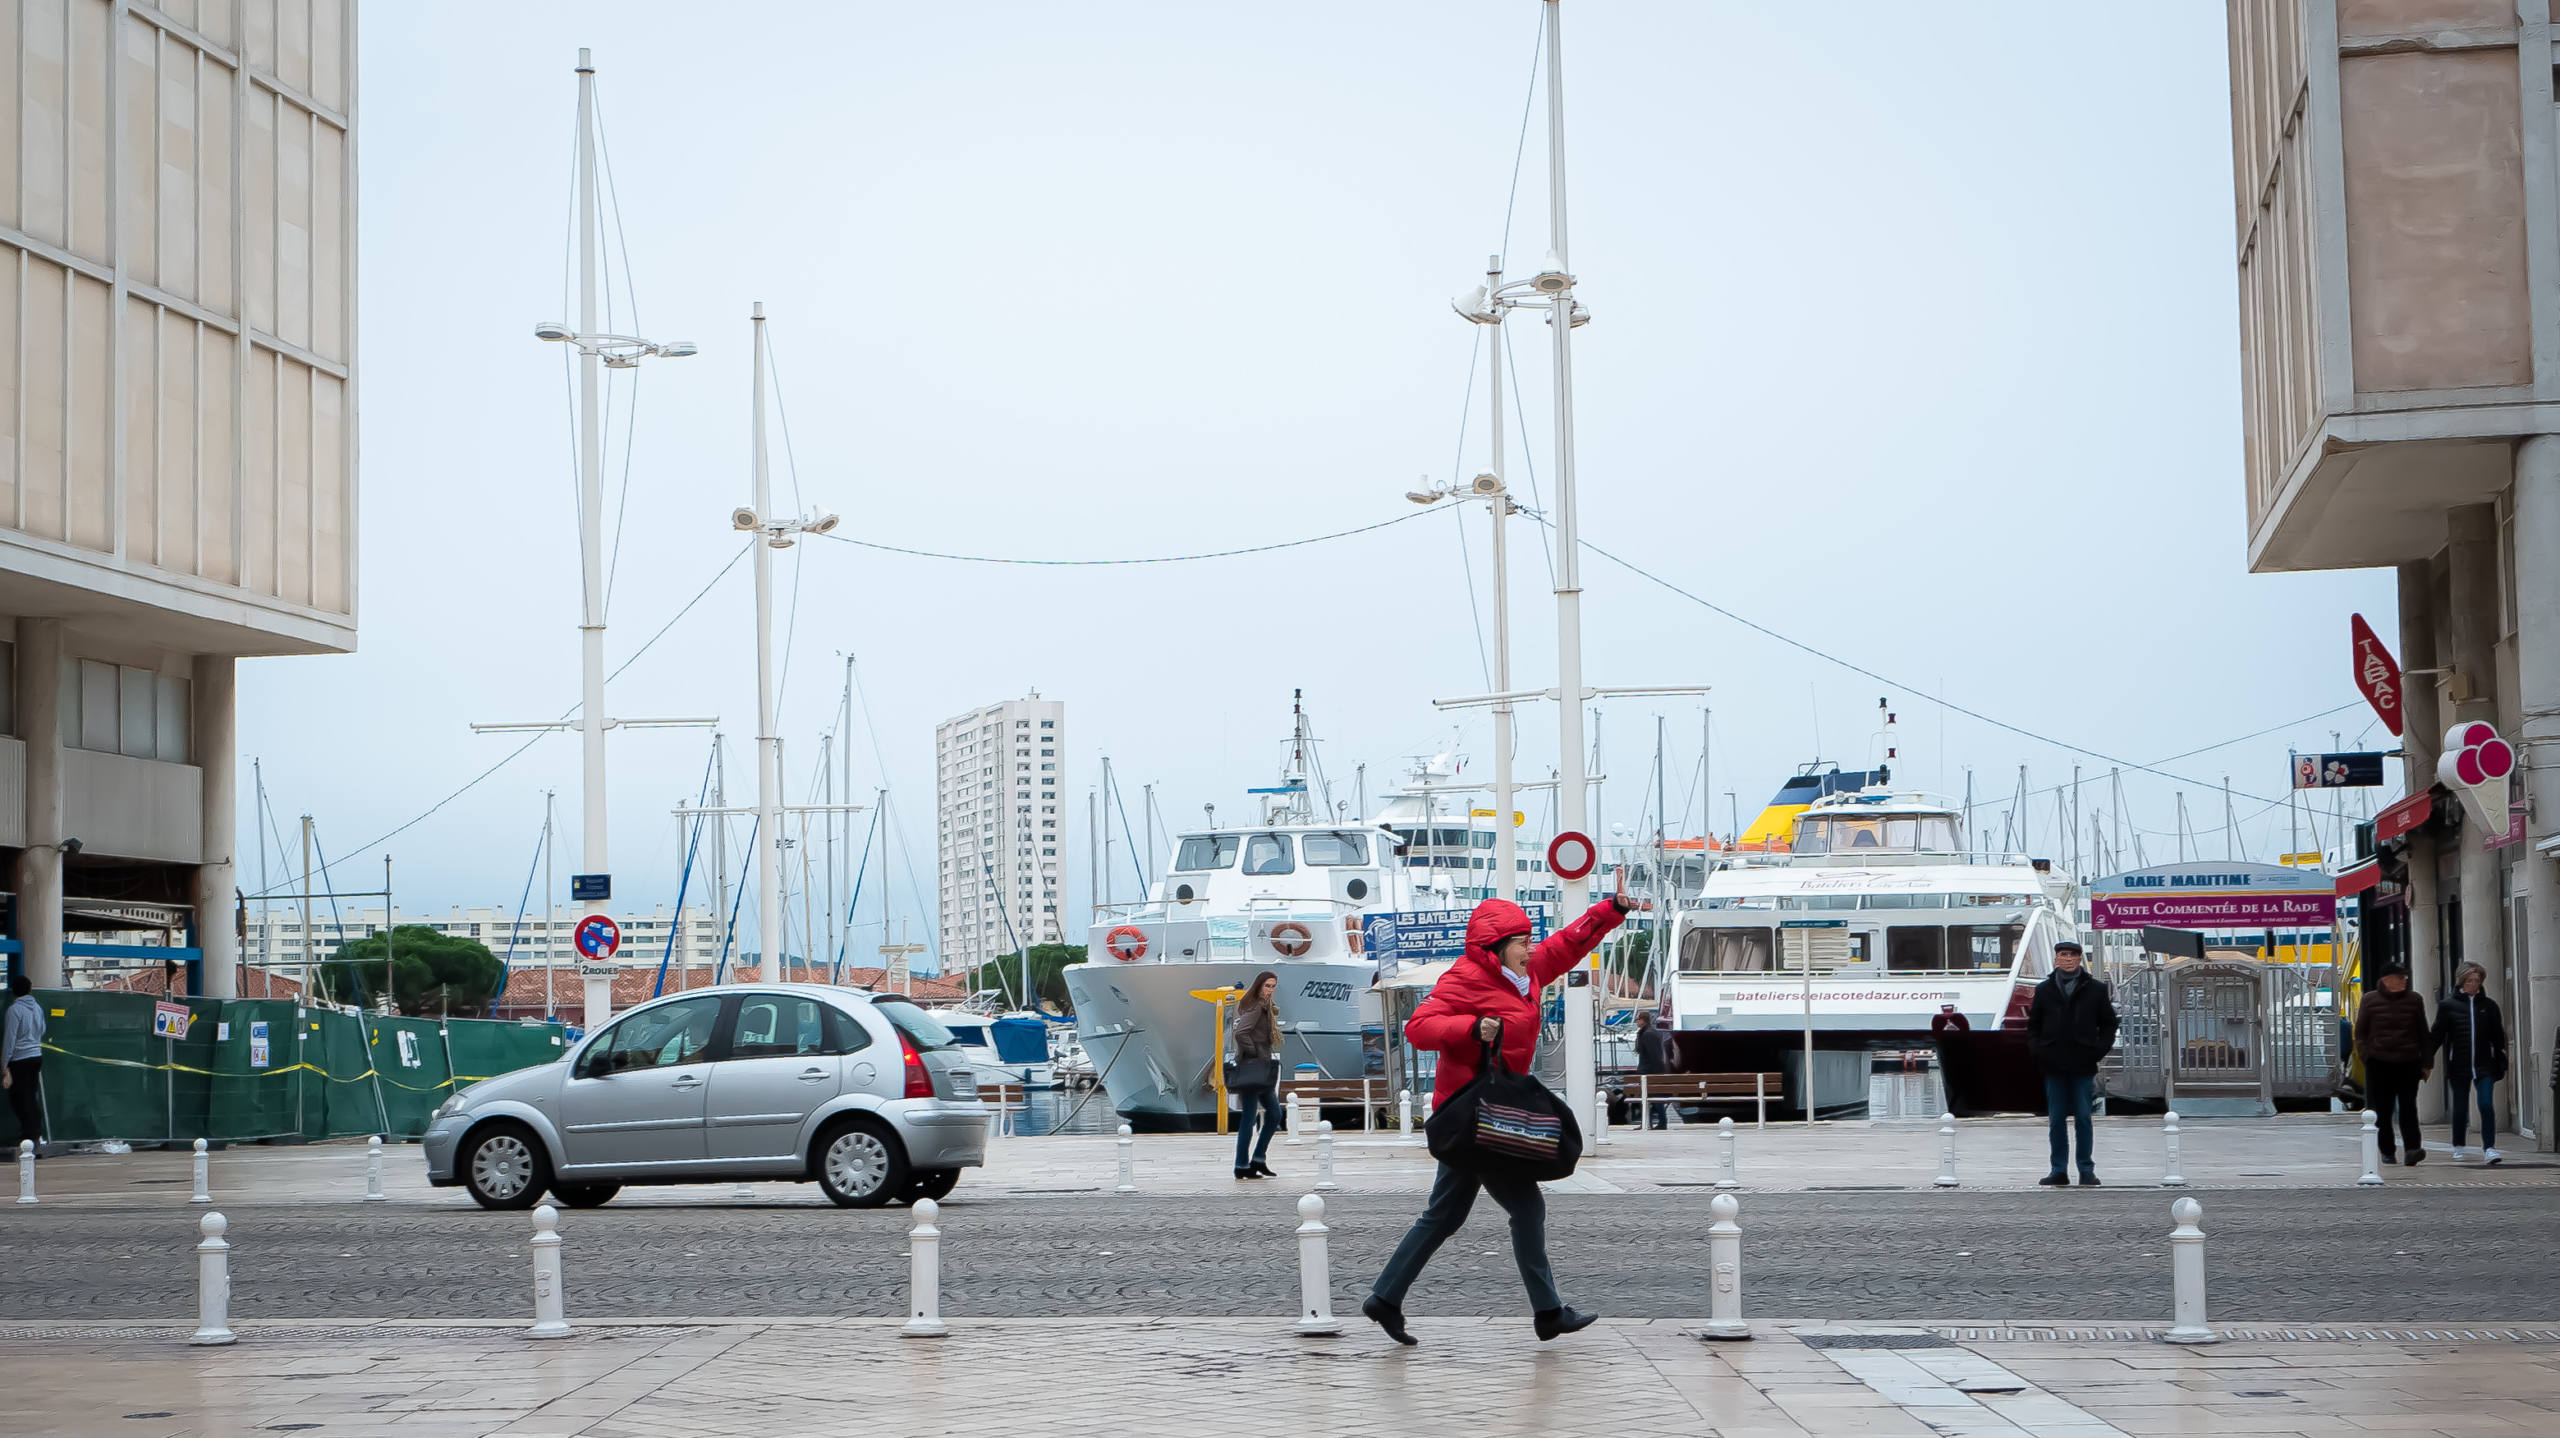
(864, 1093)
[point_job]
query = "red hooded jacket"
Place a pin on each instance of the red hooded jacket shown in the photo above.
(1475, 988)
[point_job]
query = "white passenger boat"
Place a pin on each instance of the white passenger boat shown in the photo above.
(1293, 894)
(1002, 1045)
(1866, 925)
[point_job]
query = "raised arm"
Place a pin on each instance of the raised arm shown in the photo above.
(1567, 946)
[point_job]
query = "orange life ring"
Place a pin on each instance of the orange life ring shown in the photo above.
(1291, 939)
(1126, 943)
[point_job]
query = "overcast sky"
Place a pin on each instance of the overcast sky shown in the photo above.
(1914, 344)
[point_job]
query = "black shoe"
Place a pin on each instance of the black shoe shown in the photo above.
(1389, 1317)
(2088, 1180)
(1553, 1321)
(1261, 1170)
(2417, 1156)
(2054, 1180)
(1244, 1173)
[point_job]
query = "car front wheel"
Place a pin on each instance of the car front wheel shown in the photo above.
(505, 1168)
(860, 1164)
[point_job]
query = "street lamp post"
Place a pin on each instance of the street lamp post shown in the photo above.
(770, 536)
(596, 351)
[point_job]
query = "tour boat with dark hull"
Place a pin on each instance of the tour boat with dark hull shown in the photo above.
(1869, 925)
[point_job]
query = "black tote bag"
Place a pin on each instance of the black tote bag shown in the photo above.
(1505, 1125)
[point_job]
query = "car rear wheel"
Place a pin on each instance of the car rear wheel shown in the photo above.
(505, 1168)
(933, 1183)
(860, 1164)
(585, 1195)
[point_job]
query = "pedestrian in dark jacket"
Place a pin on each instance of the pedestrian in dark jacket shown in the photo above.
(1257, 1085)
(1490, 996)
(2071, 1023)
(2472, 1036)
(2392, 1039)
(22, 1059)
(1654, 1055)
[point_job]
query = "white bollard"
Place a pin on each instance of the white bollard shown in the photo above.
(1728, 1175)
(1404, 1114)
(2372, 1150)
(1324, 1157)
(1947, 1150)
(373, 1169)
(924, 1273)
(1724, 1256)
(1315, 1271)
(1296, 1120)
(1599, 1116)
(1128, 1161)
(2186, 1275)
(26, 1170)
(213, 1283)
(204, 1176)
(2176, 1177)
(550, 1305)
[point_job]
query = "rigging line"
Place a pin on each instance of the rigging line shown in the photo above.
(791, 626)
(1528, 456)
(613, 193)
(337, 920)
(1135, 863)
(2207, 749)
(906, 849)
(518, 752)
(523, 902)
(1519, 152)
(1404, 518)
(631, 401)
(1973, 714)
(1457, 466)
(684, 881)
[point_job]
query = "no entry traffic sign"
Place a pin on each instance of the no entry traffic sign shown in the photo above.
(1571, 855)
(598, 936)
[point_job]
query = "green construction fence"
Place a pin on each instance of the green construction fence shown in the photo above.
(247, 1069)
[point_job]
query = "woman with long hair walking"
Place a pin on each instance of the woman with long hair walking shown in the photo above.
(2472, 1036)
(1489, 997)
(1256, 1084)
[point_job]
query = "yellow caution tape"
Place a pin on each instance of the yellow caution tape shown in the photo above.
(446, 1086)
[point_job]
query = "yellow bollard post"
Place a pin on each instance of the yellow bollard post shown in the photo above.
(1218, 1000)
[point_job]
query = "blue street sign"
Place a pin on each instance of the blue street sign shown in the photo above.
(590, 888)
(1425, 936)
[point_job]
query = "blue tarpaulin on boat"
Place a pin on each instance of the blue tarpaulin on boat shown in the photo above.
(1021, 1041)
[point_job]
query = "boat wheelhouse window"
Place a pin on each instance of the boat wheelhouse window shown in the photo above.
(1727, 951)
(1266, 854)
(1480, 840)
(1984, 946)
(1994, 901)
(1915, 948)
(1906, 901)
(1450, 838)
(1901, 833)
(1207, 851)
(1336, 848)
(1819, 901)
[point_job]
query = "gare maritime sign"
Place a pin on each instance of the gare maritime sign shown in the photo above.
(2219, 894)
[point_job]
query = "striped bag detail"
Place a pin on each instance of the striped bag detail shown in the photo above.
(1518, 1131)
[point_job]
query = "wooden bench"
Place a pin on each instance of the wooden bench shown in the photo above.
(1650, 1089)
(1371, 1094)
(1003, 1101)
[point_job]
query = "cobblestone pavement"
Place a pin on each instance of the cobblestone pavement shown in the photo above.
(2393, 1255)
(1135, 1378)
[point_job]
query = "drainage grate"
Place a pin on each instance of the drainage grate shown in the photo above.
(2253, 1333)
(1875, 1340)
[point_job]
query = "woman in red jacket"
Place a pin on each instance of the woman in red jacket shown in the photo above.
(1490, 995)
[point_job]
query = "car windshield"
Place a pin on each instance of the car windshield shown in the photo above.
(922, 1029)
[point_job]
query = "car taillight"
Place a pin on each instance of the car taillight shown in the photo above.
(919, 1078)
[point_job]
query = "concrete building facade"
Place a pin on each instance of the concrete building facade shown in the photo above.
(2397, 197)
(998, 774)
(276, 940)
(177, 430)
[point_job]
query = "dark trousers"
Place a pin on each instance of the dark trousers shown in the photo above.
(2461, 1088)
(1657, 1115)
(26, 1097)
(1251, 1102)
(2389, 1085)
(1452, 1195)
(2067, 1101)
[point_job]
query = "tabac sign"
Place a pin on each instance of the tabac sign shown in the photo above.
(2377, 673)
(2222, 894)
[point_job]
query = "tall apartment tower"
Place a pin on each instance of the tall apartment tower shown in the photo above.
(177, 440)
(2398, 248)
(998, 774)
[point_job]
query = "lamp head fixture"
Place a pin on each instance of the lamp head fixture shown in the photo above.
(551, 330)
(742, 518)
(823, 524)
(677, 349)
(1486, 486)
(1476, 306)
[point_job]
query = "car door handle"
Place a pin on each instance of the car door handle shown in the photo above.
(812, 1075)
(688, 1081)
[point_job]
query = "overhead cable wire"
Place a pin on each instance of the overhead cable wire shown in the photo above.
(1520, 152)
(1405, 518)
(1457, 466)
(518, 752)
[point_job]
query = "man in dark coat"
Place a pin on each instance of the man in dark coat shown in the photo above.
(1654, 1055)
(2071, 1024)
(2392, 1039)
